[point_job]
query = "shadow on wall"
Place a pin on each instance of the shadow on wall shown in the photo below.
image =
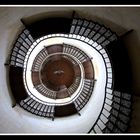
(135, 123)
(132, 44)
(40, 16)
(79, 14)
(12, 99)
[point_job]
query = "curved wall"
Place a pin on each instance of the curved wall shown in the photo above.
(15, 120)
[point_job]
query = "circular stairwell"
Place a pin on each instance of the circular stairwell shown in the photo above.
(65, 91)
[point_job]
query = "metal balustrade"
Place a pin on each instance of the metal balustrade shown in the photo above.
(45, 91)
(115, 113)
(38, 82)
(66, 49)
(74, 86)
(79, 105)
(105, 124)
(20, 49)
(93, 30)
(37, 108)
(80, 55)
(85, 94)
(70, 59)
(104, 37)
(39, 59)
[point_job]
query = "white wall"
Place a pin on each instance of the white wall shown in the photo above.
(118, 19)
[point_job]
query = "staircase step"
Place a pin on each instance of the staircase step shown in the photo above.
(20, 49)
(97, 129)
(104, 118)
(123, 127)
(37, 108)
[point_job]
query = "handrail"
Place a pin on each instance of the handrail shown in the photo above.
(105, 88)
(76, 97)
(77, 61)
(63, 55)
(51, 54)
(66, 37)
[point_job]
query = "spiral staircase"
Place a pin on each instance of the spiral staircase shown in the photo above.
(43, 43)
